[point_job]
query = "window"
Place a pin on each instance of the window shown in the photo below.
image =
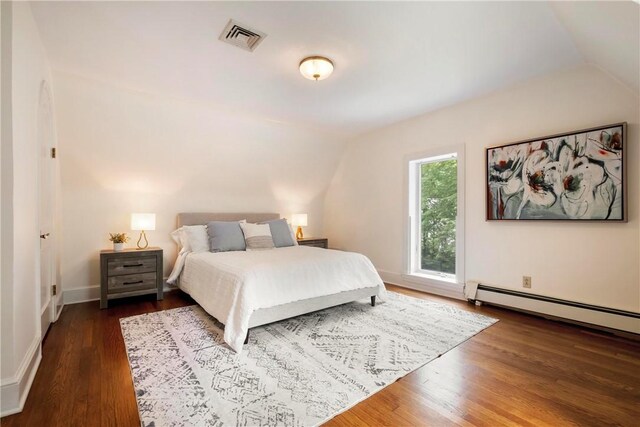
(436, 216)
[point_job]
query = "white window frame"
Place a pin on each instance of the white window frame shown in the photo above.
(413, 270)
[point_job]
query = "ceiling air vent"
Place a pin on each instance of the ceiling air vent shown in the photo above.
(241, 35)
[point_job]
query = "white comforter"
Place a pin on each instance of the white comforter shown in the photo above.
(232, 285)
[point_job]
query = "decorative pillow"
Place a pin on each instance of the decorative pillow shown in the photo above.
(226, 236)
(281, 233)
(192, 238)
(257, 236)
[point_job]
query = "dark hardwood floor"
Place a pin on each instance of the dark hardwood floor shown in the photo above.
(522, 371)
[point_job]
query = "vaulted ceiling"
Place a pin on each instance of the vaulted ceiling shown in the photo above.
(392, 60)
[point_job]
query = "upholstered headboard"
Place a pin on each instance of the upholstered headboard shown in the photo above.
(202, 218)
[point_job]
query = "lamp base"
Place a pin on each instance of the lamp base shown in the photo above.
(299, 234)
(145, 243)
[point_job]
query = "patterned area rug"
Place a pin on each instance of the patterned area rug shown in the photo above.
(298, 372)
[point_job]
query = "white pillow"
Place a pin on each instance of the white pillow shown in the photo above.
(257, 236)
(180, 239)
(192, 238)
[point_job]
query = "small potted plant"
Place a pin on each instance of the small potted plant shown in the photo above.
(118, 239)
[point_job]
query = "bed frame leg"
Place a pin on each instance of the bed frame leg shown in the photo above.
(373, 301)
(246, 340)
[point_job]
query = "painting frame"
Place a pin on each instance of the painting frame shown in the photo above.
(495, 178)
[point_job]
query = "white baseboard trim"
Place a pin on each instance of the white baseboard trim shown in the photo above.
(14, 391)
(92, 293)
(450, 290)
(58, 312)
(58, 304)
(78, 295)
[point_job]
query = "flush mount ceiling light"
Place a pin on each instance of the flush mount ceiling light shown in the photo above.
(316, 67)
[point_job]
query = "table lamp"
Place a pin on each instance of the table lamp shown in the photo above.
(142, 222)
(299, 220)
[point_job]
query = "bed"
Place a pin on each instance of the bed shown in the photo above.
(246, 289)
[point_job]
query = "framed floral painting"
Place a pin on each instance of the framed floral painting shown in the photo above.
(574, 176)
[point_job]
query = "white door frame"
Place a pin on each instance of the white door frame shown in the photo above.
(47, 302)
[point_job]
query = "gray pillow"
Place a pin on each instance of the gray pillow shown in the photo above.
(280, 232)
(225, 236)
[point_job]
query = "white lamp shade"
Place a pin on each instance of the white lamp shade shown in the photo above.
(143, 221)
(316, 68)
(299, 220)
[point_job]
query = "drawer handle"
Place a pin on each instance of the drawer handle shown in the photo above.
(133, 283)
(132, 265)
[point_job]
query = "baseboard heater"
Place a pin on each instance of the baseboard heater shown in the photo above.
(611, 318)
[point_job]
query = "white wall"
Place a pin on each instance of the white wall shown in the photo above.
(123, 151)
(21, 317)
(6, 194)
(595, 263)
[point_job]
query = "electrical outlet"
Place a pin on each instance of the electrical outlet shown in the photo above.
(526, 281)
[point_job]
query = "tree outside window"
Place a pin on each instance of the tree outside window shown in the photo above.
(438, 216)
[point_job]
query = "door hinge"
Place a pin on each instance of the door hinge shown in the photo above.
(53, 152)
(54, 289)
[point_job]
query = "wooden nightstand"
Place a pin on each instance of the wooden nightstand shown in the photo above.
(318, 242)
(129, 273)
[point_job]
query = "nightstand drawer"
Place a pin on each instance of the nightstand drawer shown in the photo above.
(316, 245)
(132, 282)
(118, 266)
(316, 242)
